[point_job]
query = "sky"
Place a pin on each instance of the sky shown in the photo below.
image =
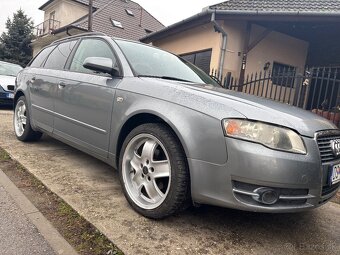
(166, 11)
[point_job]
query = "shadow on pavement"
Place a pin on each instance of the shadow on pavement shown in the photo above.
(6, 107)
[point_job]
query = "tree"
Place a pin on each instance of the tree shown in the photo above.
(15, 43)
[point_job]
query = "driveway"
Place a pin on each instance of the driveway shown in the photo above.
(92, 188)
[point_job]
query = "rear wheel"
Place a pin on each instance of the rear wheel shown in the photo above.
(21, 119)
(153, 171)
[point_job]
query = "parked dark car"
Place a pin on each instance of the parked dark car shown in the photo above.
(8, 72)
(176, 136)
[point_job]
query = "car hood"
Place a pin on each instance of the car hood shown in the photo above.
(266, 110)
(6, 80)
(222, 103)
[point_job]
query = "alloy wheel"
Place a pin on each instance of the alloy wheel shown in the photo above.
(146, 171)
(20, 118)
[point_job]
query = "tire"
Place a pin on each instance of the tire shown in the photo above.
(22, 124)
(153, 171)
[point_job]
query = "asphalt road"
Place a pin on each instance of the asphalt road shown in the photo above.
(92, 188)
(17, 234)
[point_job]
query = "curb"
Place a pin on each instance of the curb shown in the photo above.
(51, 235)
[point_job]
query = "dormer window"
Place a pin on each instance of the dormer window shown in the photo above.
(129, 12)
(116, 23)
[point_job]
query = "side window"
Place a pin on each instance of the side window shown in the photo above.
(40, 58)
(57, 59)
(90, 48)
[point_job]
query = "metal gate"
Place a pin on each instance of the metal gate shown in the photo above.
(317, 89)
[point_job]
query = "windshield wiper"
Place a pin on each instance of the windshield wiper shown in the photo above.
(163, 77)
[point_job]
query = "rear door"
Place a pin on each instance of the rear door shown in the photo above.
(84, 100)
(44, 83)
(41, 92)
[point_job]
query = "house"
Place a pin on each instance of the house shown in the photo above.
(116, 18)
(237, 38)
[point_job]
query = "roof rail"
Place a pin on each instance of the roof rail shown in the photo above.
(79, 35)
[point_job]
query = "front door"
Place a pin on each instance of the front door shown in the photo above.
(84, 100)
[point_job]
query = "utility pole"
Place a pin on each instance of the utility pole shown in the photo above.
(90, 15)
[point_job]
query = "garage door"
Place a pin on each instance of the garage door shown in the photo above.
(201, 59)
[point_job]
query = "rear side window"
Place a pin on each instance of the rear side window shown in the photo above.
(39, 60)
(57, 59)
(90, 48)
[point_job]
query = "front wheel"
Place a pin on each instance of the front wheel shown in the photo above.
(154, 172)
(21, 119)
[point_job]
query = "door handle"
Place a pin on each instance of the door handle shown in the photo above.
(61, 85)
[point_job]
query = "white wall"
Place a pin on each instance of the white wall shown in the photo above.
(280, 48)
(276, 47)
(66, 11)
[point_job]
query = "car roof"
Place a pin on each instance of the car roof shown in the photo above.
(93, 34)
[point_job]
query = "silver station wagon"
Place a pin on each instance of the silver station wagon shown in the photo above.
(176, 137)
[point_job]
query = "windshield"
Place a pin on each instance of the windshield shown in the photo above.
(9, 69)
(148, 61)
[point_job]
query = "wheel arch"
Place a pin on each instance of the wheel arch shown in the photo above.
(138, 119)
(18, 94)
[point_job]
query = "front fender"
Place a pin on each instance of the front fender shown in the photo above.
(201, 135)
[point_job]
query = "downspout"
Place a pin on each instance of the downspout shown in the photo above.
(220, 29)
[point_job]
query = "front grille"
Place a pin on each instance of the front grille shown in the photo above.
(324, 144)
(10, 87)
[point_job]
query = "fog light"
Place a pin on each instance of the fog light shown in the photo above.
(266, 196)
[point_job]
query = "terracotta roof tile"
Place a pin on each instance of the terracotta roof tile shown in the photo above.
(134, 27)
(321, 6)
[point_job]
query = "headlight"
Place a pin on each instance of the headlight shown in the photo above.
(277, 138)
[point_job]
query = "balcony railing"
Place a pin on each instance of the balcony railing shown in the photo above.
(47, 27)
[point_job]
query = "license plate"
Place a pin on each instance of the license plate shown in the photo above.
(10, 95)
(335, 174)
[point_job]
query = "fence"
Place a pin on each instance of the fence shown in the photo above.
(317, 89)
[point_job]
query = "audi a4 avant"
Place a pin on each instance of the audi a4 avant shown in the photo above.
(175, 136)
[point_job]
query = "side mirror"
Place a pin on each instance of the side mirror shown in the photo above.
(103, 65)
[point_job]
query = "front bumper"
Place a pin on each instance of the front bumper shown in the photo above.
(298, 179)
(6, 97)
